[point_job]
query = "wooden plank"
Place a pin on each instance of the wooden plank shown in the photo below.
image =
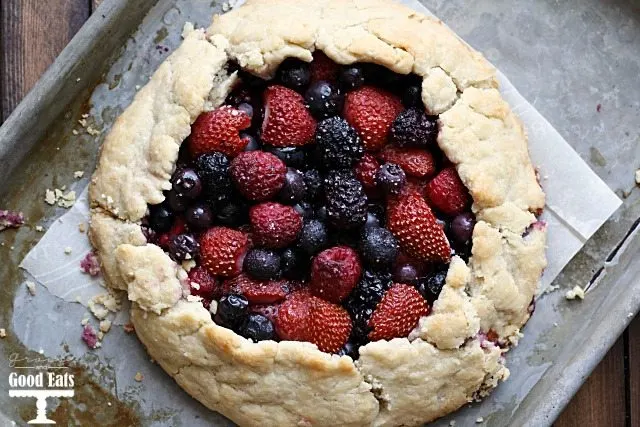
(601, 400)
(32, 34)
(634, 372)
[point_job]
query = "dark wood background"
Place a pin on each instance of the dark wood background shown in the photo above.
(33, 32)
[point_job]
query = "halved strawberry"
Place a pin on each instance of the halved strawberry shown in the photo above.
(397, 313)
(219, 130)
(415, 162)
(371, 111)
(323, 68)
(256, 291)
(292, 322)
(447, 193)
(412, 222)
(287, 122)
(222, 251)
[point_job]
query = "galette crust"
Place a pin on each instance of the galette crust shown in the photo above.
(446, 361)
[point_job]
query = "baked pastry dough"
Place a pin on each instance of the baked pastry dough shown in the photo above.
(447, 360)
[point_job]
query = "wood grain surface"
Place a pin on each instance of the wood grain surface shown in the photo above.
(32, 34)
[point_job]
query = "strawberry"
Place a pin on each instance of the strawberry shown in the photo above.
(274, 225)
(258, 175)
(412, 222)
(222, 251)
(397, 313)
(415, 162)
(218, 130)
(447, 193)
(293, 315)
(204, 285)
(287, 122)
(334, 273)
(366, 170)
(323, 68)
(256, 291)
(371, 111)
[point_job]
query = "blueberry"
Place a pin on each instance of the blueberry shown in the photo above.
(305, 210)
(390, 178)
(351, 77)
(462, 228)
(199, 216)
(251, 81)
(444, 224)
(314, 237)
(160, 218)
(247, 108)
(177, 201)
(187, 183)
(323, 99)
(377, 211)
(295, 264)
(379, 75)
(257, 327)
(378, 247)
(405, 273)
(294, 157)
(232, 310)
(239, 96)
(294, 74)
(252, 142)
(262, 264)
(321, 213)
(412, 96)
(372, 221)
(350, 349)
(183, 247)
(431, 285)
(294, 189)
(233, 214)
(313, 180)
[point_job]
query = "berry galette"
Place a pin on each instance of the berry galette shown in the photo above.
(323, 213)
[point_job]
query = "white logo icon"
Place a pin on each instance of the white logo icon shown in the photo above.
(41, 403)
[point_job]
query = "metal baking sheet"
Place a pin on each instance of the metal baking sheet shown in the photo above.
(566, 91)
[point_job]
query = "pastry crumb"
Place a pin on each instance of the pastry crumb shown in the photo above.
(138, 377)
(68, 250)
(128, 327)
(78, 79)
(108, 403)
(82, 227)
(93, 132)
(59, 197)
(39, 228)
(576, 292)
(3, 333)
(103, 304)
(479, 420)
(84, 321)
(452, 423)
(105, 325)
(78, 174)
(9, 219)
(31, 287)
(549, 289)
(638, 177)
(555, 324)
(75, 132)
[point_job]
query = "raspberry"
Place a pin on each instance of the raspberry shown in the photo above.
(447, 193)
(256, 291)
(366, 170)
(258, 175)
(334, 273)
(274, 225)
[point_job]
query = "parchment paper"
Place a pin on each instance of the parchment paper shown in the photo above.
(572, 217)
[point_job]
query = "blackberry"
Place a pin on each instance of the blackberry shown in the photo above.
(257, 327)
(183, 247)
(314, 237)
(313, 180)
(391, 178)
(431, 285)
(295, 264)
(213, 171)
(160, 218)
(350, 349)
(262, 264)
(378, 247)
(338, 144)
(323, 99)
(345, 200)
(363, 300)
(414, 128)
(294, 74)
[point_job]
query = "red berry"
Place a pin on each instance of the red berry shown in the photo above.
(371, 111)
(287, 122)
(447, 193)
(293, 315)
(415, 162)
(412, 222)
(270, 311)
(219, 130)
(334, 273)
(256, 291)
(397, 313)
(204, 285)
(274, 225)
(178, 227)
(258, 175)
(323, 68)
(222, 251)
(366, 170)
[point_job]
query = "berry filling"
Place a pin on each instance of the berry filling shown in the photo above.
(316, 207)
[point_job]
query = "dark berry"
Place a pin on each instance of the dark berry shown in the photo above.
(160, 218)
(363, 300)
(414, 128)
(314, 237)
(323, 99)
(233, 214)
(462, 228)
(305, 210)
(351, 77)
(183, 247)
(321, 213)
(372, 221)
(177, 201)
(239, 96)
(257, 328)
(375, 216)
(412, 96)
(350, 349)
(379, 75)
(252, 144)
(313, 180)
(213, 171)
(391, 178)
(294, 74)
(338, 144)
(431, 285)
(294, 157)
(405, 273)
(294, 189)
(262, 264)
(251, 81)
(446, 226)
(378, 247)
(186, 182)
(247, 108)
(199, 217)
(295, 264)
(346, 201)
(232, 310)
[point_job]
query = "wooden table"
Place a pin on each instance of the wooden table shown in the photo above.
(33, 32)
